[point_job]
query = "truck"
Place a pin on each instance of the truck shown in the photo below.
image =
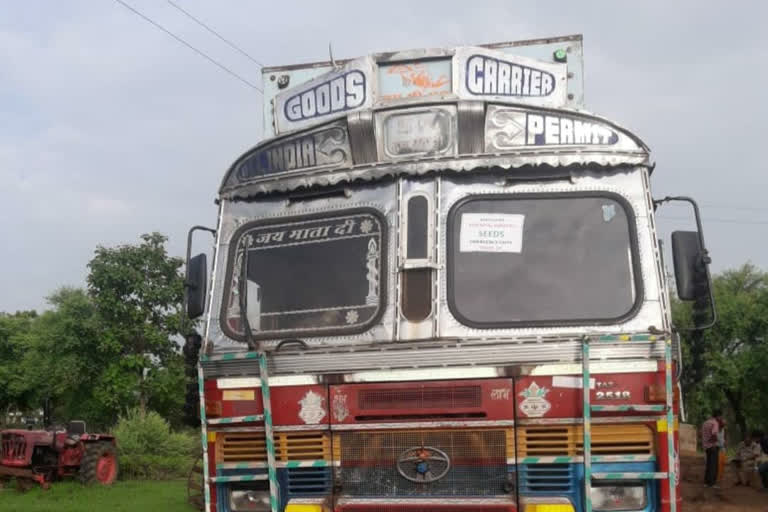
(437, 285)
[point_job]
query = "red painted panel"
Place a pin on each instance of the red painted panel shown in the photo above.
(561, 396)
(291, 405)
(457, 400)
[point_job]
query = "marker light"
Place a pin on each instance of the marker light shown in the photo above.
(560, 55)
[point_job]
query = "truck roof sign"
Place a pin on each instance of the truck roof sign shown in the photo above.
(490, 74)
(539, 72)
(468, 73)
(325, 97)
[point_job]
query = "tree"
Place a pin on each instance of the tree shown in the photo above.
(726, 364)
(137, 291)
(14, 328)
(65, 354)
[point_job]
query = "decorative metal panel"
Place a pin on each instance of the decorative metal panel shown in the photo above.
(417, 132)
(496, 76)
(317, 149)
(326, 97)
(414, 79)
(509, 129)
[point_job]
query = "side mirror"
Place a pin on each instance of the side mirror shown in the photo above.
(197, 275)
(688, 260)
(691, 260)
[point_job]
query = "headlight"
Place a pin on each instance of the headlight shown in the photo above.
(243, 500)
(618, 496)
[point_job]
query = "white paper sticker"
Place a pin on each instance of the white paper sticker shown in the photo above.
(565, 381)
(491, 232)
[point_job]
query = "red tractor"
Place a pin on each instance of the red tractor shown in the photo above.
(43, 456)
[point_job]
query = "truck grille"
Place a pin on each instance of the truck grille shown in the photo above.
(444, 397)
(14, 448)
(567, 440)
(289, 446)
(546, 478)
(478, 463)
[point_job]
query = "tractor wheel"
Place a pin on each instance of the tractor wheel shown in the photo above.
(99, 464)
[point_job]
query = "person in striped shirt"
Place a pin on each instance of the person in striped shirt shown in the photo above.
(709, 441)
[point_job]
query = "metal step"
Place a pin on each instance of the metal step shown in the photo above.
(629, 476)
(237, 478)
(629, 408)
(236, 419)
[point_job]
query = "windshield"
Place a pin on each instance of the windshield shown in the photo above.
(321, 275)
(542, 260)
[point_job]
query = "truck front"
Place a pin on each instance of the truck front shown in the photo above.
(453, 275)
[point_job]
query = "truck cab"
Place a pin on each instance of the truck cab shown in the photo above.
(450, 274)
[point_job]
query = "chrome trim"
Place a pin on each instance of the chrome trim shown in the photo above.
(471, 127)
(423, 424)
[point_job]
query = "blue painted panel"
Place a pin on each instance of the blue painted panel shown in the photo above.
(567, 480)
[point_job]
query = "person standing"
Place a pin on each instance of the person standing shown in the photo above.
(748, 453)
(722, 458)
(709, 441)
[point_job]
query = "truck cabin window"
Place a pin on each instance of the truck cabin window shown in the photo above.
(542, 260)
(308, 276)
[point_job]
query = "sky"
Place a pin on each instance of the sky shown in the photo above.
(111, 128)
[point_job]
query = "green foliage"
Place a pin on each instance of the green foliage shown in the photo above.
(14, 339)
(137, 291)
(98, 353)
(148, 449)
(726, 366)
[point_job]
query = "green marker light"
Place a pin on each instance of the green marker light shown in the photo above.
(560, 55)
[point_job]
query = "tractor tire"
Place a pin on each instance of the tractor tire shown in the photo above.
(99, 465)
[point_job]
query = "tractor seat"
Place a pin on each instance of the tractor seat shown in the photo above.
(75, 429)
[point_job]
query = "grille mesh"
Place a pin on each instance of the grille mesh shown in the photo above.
(420, 398)
(14, 447)
(478, 463)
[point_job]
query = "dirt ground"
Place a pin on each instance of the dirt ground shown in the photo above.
(729, 498)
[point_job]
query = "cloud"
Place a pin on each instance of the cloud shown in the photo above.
(111, 129)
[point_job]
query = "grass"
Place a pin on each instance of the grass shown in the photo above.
(130, 496)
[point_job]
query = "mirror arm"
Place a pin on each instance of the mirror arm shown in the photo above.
(185, 321)
(704, 255)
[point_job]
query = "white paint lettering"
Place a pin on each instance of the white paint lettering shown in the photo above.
(535, 127)
(490, 76)
(308, 104)
(581, 132)
(504, 85)
(535, 83)
(293, 108)
(517, 81)
(324, 99)
(552, 130)
(547, 84)
(337, 94)
(526, 82)
(355, 82)
(475, 74)
(566, 131)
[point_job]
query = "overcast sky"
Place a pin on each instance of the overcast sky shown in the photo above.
(110, 128)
